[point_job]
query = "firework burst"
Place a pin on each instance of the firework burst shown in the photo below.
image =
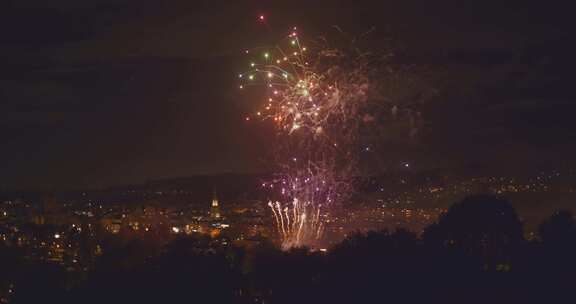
(327, 103)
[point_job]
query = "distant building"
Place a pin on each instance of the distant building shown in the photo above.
(215, 207)
(50, 211)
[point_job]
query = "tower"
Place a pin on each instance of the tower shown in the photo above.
(215, 207)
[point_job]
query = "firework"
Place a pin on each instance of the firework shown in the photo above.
(328, 104)
(309, 89)
(303, 197)
(299, 223)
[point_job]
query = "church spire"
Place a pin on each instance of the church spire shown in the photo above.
(214, 199)
(215, 206)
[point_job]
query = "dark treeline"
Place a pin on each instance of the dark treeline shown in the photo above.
(475, 253)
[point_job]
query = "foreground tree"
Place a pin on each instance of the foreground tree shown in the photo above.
(559, 229)
(483, 225)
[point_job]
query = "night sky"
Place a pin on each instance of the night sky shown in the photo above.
(107, 92)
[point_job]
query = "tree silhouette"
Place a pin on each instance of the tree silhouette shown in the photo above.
(482, 225)
(559, 229)
(552, 263)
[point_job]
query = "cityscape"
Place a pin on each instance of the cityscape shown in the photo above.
(71, 228)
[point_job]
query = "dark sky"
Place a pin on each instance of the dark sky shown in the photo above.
(105, 92)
